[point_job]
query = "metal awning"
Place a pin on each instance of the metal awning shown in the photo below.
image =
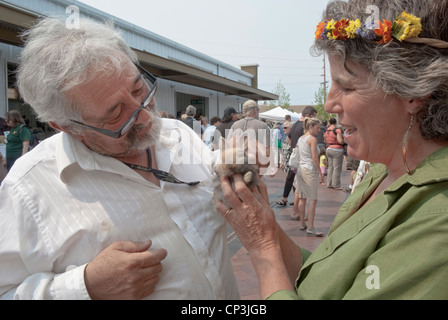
(13, 20)
(179, 72)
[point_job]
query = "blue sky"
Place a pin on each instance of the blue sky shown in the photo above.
(275, 34)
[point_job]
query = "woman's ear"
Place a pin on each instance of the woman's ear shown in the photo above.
(414, 105)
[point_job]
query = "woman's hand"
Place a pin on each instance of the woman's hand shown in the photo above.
(250, 215)
(253, 220)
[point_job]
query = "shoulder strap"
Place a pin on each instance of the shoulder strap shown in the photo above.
(334, 131)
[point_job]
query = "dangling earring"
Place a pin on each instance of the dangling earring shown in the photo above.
(405, 146)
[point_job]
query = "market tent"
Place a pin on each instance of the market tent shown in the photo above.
(278, 114)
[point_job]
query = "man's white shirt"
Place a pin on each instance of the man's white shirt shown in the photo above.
(62, 204)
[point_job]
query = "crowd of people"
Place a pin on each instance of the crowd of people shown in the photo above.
(120, 218)
(326, 162)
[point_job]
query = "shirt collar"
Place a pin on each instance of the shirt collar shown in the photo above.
(72, 154)
(433, 169)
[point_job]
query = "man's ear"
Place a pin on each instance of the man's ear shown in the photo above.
(65, 129)
(56, 126)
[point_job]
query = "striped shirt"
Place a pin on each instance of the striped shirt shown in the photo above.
(62, 204)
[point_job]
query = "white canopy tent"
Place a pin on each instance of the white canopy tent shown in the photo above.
(278, 115)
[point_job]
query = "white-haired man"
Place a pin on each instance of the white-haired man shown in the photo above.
(103, 210)
(256, 130)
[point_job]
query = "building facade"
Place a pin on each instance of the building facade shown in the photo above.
(186, 77)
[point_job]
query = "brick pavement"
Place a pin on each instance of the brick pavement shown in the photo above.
(327, 206)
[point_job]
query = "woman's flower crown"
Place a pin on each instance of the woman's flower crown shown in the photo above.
(406, 26)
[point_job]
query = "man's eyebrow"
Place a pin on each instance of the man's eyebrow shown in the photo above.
(113, 108)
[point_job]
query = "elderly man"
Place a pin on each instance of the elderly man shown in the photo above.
(256, 130)
(104, 209)
(191, 121)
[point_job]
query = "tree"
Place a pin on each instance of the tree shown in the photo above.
(319, 101)
(283, 97)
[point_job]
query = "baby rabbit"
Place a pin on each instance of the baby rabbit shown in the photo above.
(235, 159)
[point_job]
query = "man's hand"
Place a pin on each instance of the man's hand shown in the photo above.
(124, 270)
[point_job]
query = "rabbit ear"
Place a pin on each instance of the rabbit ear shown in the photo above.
(247, 178)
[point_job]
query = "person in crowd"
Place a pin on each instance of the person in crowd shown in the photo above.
(352, 166)
(191, 121)
(320, 137)
(105, 209)
(282, 132)
(3, 126)
(388, 240)
(308, 176)
(3, 171)
(295, 133)
(363, 170)
(277, 143)
(209, 133)
(204, 123)
(255, 129)
(297, 128)
(229, 118)
(286, 154)
(334, 140)
(323, 163)
(18, 139)
(286, 150)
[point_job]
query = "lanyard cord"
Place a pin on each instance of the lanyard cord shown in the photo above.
(159, 174)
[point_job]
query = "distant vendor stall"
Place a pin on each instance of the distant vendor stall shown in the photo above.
(278, 115)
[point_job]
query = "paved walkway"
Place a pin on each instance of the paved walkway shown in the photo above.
(327, 206)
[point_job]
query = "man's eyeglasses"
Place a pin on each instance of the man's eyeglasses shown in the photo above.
(151, 82)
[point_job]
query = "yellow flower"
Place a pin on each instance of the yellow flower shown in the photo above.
(407, 26)
(330, 25)
(330, 28)
(351, 29)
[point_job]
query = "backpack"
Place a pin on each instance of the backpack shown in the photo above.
(331, 139)
(33, 141)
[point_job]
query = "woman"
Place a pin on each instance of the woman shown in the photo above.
(286, 154)
(308, 175)
(335, 154)
(18, 139)
(277, 144)
(390, 91)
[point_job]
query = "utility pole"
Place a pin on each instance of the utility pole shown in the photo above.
(325, 80)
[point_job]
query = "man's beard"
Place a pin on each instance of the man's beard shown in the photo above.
(137, 142)
(133, 142)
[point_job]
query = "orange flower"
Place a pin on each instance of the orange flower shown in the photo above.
(340, 31)
(384, 31)
(320, 29)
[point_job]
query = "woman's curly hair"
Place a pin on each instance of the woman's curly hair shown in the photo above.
(405, 69)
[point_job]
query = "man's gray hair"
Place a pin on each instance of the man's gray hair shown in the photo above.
(191, 111)
(56, 59)
(404, 69)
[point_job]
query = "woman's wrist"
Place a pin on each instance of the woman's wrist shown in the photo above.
(271, 271)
